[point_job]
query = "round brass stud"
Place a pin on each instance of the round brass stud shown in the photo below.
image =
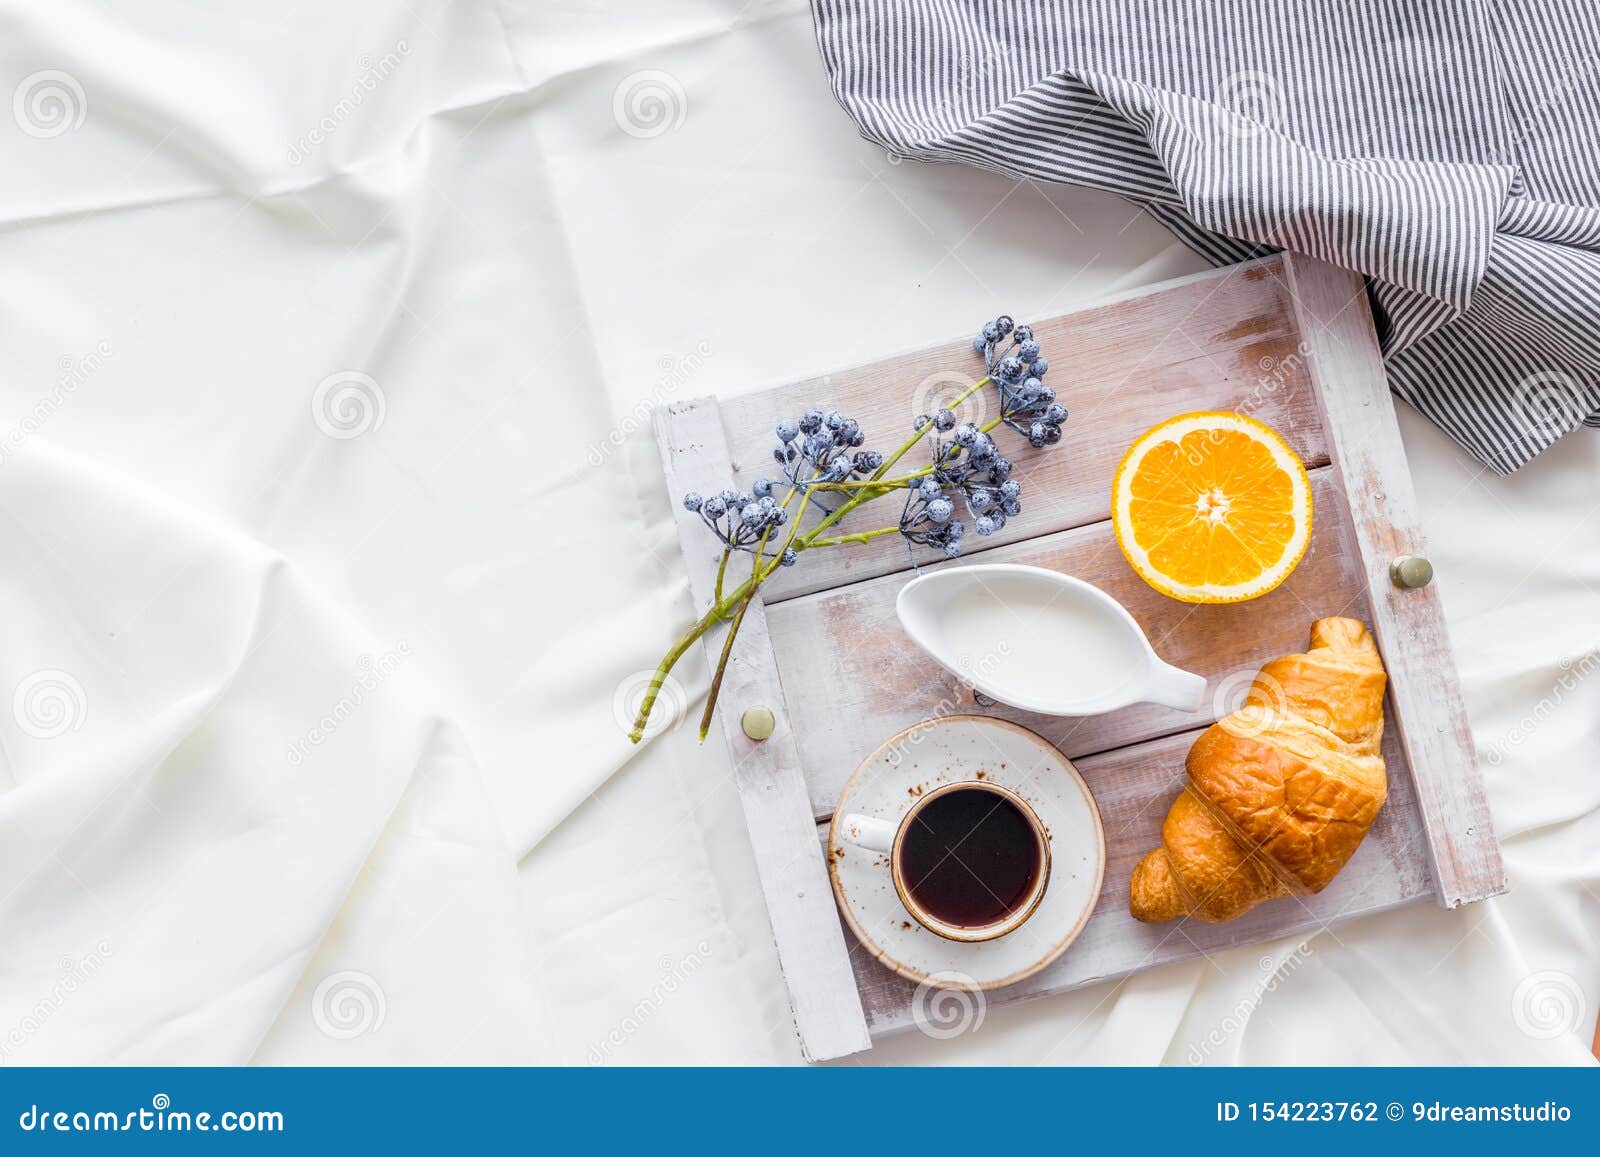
(1411, 571)
(758, 723)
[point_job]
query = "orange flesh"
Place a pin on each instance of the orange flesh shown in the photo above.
(1212, 508)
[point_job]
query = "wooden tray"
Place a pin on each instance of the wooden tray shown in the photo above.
(1288, 340)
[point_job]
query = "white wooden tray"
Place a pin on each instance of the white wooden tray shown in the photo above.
(1285, 339)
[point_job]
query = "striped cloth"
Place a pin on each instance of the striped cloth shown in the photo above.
(1447, 149)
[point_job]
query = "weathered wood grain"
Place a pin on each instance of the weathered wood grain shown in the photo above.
(858, 667)
(1222, 340)
(1369, 460)
(1133, 786)
(794, 879)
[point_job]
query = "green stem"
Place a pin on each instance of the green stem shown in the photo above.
(857, 536)
(870, 483)
(917, 437)
(674, 653)
(845, 508)
(722, 666)
(722, 570)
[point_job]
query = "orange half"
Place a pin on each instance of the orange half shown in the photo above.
(1212, 508)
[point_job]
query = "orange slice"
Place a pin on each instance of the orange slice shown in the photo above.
(1212, 508)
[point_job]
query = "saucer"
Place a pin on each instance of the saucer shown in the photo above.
(940, 751)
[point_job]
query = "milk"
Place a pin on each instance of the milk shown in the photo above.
(1032, 641)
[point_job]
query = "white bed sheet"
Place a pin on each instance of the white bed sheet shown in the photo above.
(312, 752)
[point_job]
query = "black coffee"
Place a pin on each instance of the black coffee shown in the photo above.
(970, 857)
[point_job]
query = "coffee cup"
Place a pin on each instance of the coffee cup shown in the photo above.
(970, 860)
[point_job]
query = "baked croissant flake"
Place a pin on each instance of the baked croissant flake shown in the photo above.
(1281, 792)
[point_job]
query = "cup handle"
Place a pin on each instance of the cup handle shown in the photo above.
(1174, 687)
(874, 835)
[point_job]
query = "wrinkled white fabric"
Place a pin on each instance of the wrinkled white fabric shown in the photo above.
(334, 535)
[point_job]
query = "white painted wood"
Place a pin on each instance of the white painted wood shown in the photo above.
(847, 649)
(1369, 459)
(1222, 340)
(794, 880)
(1133, 787)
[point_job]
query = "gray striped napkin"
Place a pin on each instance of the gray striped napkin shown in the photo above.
(1447, 149)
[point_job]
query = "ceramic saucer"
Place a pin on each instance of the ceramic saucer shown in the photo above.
(939, 751)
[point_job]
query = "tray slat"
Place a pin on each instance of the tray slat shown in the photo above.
(794, 879)
(1369, 459)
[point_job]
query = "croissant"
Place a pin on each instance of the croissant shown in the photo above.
(1281, 792)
